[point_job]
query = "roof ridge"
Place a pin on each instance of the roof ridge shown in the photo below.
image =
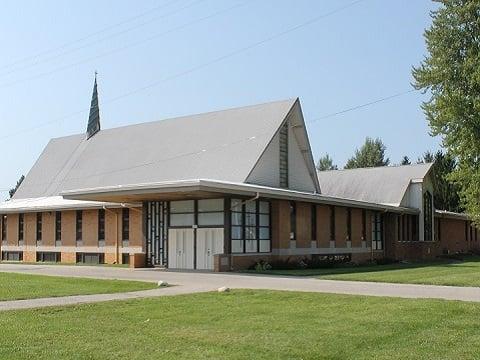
(375, 167)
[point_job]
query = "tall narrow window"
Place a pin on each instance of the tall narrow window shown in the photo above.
(58, 228)
(332, 223)
(125, 225)
(79, 226)
(377, 231)
(439, 229)
(415, 227)
(250, 226)
(101, 227)
(349, 224)
(39, 227)
(399, 227)
(4, 228)
(284, 156)
(314, 222)
(364, 225)
(427, 216)
(20, 229)
(293, 220)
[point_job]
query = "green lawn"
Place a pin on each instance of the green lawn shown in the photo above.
(466, 273)
(246, 324)
(21, 286)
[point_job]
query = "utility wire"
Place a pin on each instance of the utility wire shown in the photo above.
(122, 48)
(195, 68)
(97, 41)
(67, 44)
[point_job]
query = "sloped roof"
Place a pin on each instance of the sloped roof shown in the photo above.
(222, 145)
(381, 185)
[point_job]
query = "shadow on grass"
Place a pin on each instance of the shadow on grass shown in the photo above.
(357, 269)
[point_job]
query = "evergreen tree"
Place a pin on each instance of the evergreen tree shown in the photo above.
(326, 163)
(371, 154)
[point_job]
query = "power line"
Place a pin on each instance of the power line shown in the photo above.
(122, 48)
(198, 67)
(97, 41)
(64, 45)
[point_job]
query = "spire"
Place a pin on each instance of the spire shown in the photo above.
(94, 118)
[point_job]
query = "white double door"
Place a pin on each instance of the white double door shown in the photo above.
(181, 248)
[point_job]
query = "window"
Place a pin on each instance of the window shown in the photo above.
(12, 255)
(284, 156)
(439, 229)
(314, 222)
(293, 220)
(58, 228)
(250, 226)
(377, 231)
(427, 216)
(332, 223)
(101, 227)
(91, 258)
(48, 257)
(349, 224)
(20, 229)
(39, 227)
(364, 225)
(466, 231)
(210, 212)
(4, 228)
(182, 213)
(414, 219)
(125, 226)
(399, 227)
(79, 226)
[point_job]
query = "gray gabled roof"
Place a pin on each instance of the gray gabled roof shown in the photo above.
(381, 185)
(222, 145)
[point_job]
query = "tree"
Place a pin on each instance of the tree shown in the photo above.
(451, 74)
(12, 191)
(371, 154)
(326, 163)
(405, 161)
(446, 193)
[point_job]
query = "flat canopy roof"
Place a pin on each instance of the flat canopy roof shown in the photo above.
(206, 188)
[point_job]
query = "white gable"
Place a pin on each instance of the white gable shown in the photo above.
(301, 168)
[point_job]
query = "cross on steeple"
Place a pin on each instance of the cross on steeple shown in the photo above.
(94, 118)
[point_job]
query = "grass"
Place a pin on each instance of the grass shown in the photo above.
(465, 273)
(246, 324)
(21, 286)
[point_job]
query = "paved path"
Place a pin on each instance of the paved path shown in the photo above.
(191, 282)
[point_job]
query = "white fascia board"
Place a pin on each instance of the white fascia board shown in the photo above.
(232, 188)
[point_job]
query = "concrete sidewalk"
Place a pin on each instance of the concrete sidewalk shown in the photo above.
(192, 282)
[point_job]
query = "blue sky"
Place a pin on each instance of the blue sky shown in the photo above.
(365, 52)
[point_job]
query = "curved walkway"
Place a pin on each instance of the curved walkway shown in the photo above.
(193, 282)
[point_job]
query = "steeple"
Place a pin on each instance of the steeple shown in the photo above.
(94, 118)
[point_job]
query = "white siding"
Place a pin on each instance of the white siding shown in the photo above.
(266, 172)
(298, 176)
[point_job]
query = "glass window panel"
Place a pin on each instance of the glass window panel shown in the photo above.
(184, 206)
(236, 218)
(250, 219)
(210, 218)
(264, 233)
(264, 246)
(251, 206)
(181, 219)
(210, 205)
(236, 205)
(237, 232)
(250, 233)
(250, 246)
(237, 246)
(264, 220)
(264, 207)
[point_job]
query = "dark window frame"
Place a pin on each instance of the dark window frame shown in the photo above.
(377, 231)
(4, 228)
(313, 216)
(332, 223)
(349, 224)
(101, 225)
(427, 216)
(364, 225)
(21, 228)
(39, 227)
(79, 226)
(58, 226)
(125, 224)
(293, 220)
